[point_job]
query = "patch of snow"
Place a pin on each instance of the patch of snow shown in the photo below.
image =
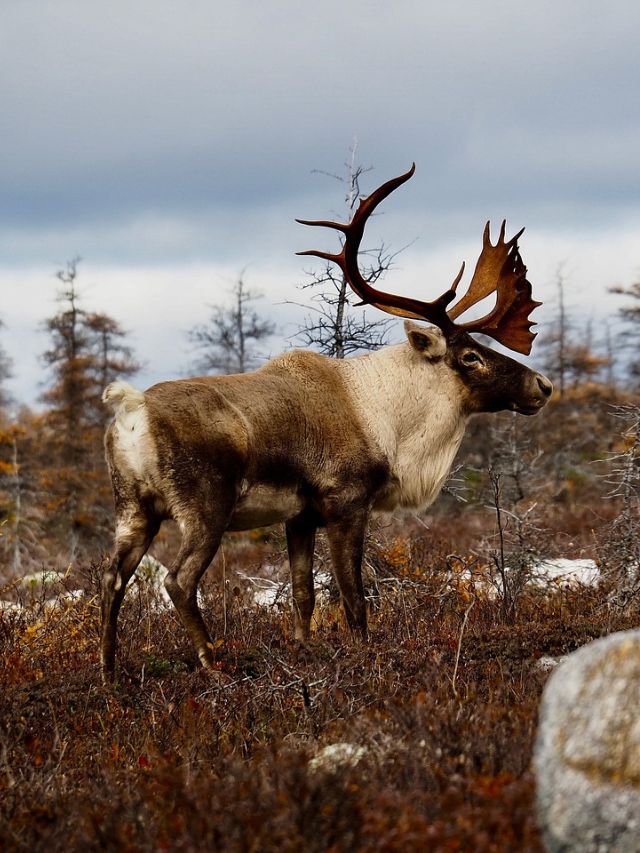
(39, 579)
(563, 572)
(266, 592)
(149, 578)
(32, 605)
(151, 568)
(64, 598)
(323, 582)
(337, 755)
(546, 663)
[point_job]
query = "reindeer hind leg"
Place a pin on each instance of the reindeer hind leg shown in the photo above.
(200, 541)
(133, 538)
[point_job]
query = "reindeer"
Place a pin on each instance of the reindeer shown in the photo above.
(311, 441)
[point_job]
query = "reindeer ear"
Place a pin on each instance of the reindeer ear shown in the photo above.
(429, 341)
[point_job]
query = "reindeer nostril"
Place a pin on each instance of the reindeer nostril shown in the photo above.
(544, 385)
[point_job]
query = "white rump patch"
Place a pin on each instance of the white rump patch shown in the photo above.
(131, 426)
(121, 395)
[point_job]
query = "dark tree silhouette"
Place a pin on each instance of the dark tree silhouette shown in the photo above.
(630, 316)
(5, 373)
(113, 359)
(85, 353)
(331, 327)
(569, 354)
(226, 343)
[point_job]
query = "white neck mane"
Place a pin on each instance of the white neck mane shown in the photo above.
(412, 410)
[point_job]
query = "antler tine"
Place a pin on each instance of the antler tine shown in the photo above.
(326, 256)
(458, 278)
(514, 240)
(355, 228)
(347, 260)
(509, 322)
(325, 223)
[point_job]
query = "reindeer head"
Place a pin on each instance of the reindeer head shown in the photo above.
(491, 380)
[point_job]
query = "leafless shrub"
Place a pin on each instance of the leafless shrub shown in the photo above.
(620, 550)
(515, 546)
(442, 702)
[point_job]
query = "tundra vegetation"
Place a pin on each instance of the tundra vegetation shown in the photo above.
(438, 710)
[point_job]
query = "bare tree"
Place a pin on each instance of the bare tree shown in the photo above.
(582, 361)
(556, 340)
(331, 327)
(570, 355)
(621, 549)
(226, 342)
(69, 358)
(112, 358)
(514, 476)
(20, 501)
(630, 315)
(5, 373)
(610, 356)
(85, 350)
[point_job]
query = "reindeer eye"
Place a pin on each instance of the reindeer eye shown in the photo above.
(471, 358)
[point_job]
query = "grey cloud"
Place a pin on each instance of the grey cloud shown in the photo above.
(124, 110)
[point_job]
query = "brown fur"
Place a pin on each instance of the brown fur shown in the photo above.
(289, 425)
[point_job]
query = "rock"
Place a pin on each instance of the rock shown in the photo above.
(587, 754)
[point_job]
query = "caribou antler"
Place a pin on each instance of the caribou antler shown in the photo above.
(347, 260)
(499, 268)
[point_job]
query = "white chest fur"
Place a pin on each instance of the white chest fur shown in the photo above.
(412, 410)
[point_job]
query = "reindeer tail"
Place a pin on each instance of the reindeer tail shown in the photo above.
(122, 397)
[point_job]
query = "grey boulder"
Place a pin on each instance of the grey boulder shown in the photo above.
(587, 754)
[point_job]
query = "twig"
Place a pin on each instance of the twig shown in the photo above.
(224, 592)
(462, 627)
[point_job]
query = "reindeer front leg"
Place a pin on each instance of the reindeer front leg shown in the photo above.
(346, 542)
(301, 538)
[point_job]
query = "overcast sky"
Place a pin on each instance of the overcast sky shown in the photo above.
(172, 144)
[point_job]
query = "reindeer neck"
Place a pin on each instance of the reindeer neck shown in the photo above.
(412, 410)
